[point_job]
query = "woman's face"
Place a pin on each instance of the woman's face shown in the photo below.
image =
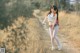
(52, 10)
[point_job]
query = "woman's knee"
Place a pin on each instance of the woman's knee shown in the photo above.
(52, 37)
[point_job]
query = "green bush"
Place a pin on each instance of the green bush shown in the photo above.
(12, 9)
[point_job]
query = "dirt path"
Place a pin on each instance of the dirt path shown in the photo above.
(68, 47)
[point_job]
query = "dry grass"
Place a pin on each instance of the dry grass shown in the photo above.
(28, 36)
(70, 27)
(30, 30)
(69, 30)
(5, 32)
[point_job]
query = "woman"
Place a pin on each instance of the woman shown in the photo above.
(53, 26)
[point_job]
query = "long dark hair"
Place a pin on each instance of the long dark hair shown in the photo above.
(50, 10)
(56, 9)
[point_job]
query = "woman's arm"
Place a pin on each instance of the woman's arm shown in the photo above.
(44, 19)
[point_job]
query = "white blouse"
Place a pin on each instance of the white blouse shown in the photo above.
(52, 18)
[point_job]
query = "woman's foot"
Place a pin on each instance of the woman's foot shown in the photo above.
(52, 48)
(60, 47)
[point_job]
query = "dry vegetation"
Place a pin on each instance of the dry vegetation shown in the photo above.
(29, 36)
(24, 36)
(70, 27)
(21, 34)
(14, 35)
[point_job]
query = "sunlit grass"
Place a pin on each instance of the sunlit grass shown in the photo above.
(70, 27)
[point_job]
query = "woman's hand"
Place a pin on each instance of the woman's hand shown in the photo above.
(44, 20)
(43, 23)
(52, 26)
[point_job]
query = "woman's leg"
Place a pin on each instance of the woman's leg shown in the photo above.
(51, 35)
(55, 31)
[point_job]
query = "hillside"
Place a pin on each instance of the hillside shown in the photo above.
(30, 36)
